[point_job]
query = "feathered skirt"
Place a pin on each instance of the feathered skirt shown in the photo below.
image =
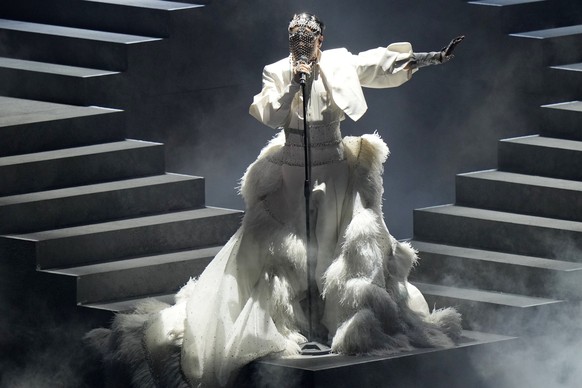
(249, 302)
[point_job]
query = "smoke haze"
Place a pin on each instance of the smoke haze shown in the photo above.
(446, 120)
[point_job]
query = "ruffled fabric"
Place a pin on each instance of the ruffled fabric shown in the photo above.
(247, 304)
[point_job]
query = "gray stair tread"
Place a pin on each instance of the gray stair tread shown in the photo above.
(16, 111)
(111, 37)
(569, 67)
(51, 68)
(124, 224)
(331, 361)
(551, 32)
(138, 262)
(498, 257)
(492, 215)
(501, 3)
(550, 142)
(152, 4)
(74, 152)
(523, 179)
(128, 304)
(93, 188)
(474, 295)
(575, 106)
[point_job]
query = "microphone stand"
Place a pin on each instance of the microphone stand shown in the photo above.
(310, 348)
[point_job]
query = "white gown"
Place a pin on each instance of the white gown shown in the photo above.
(247, 303)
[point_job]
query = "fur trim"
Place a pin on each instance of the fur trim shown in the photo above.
(128, 329)
(362, 294)
(367, 156)
(362, 254)
(99, 340)
(362, 334)
(369, 276)
(448, 320)
(374, 151)
(400, 260)
(421, 332)
(262, 177)
(122, 348)
(186, 292)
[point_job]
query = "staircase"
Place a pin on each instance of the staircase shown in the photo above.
(508, 253)
(513, 239)
(97, 205)
(87, 216)
(91, 218)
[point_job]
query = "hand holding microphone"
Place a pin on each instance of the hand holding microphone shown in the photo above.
(301, 70)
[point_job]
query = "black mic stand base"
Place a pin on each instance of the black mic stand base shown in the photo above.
(313, 348)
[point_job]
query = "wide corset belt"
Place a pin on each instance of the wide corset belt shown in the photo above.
(326, 146)
(321, 135)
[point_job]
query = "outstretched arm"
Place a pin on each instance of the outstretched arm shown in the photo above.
(435, 57)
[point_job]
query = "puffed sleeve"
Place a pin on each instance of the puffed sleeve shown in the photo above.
(384, 67)
(272, 106)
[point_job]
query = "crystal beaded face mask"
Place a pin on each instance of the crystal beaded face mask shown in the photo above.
(303, 34)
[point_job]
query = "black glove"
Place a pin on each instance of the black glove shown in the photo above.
(435, 57)
(447, 52)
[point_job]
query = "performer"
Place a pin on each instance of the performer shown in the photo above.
(249, 302)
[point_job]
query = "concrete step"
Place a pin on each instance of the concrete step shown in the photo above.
(80, 166)
(494, 312)
(34, 126)
(524, 15)
(60, 83)
(544, 156)
(519, 193)
(100, 202)
(127, 304)
(196, 2)
(496, 271)
(69, 46)
(499, 231)
(554, 45)
(435, 368)
(572, 67)
(148, 17)
(134, 277)
(114, 240)
(563, 82)
(562, 120)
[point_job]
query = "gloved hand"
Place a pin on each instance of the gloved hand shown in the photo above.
(419, 60)
(447, 52)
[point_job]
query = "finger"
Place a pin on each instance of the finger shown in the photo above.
(452, 46)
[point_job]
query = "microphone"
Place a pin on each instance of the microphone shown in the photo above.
(303, 76)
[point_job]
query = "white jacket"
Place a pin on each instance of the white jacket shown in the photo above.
(343, 72)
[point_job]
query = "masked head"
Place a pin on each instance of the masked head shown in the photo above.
(305, 37)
